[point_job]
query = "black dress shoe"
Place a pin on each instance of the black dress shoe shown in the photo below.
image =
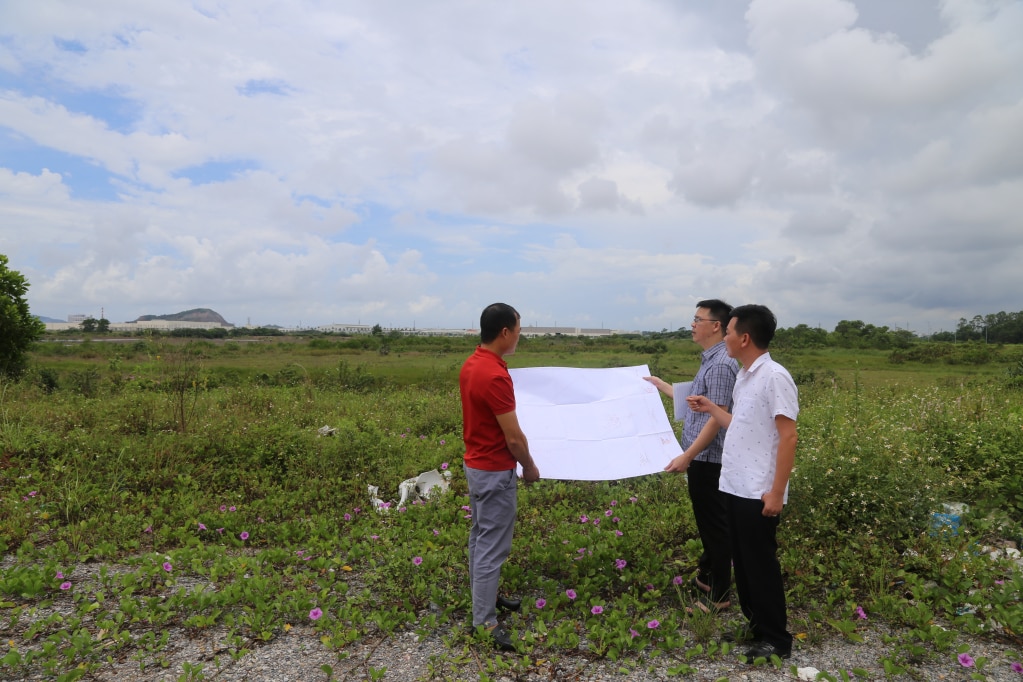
(502, 638)
(508, 604)
(766, 650)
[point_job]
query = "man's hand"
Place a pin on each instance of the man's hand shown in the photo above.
(773, 503)
(699, 403)
(662, 385)
(678, 465)
(530, 474)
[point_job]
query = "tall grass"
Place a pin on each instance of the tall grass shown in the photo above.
(169, 454)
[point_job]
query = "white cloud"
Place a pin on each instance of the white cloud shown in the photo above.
(590, 162)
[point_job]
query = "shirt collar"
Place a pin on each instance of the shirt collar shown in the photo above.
(716, 349)
(481, 349)
(758, 362)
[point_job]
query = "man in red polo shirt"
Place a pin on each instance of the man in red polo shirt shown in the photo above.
(494, 443)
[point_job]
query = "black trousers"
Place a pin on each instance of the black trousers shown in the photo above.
(710, 510)
(758, 578)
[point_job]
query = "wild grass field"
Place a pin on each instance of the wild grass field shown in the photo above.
(158, 482)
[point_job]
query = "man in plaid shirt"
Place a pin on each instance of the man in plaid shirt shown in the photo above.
(702, 441)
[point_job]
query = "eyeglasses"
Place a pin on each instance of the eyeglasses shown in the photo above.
(698, 320)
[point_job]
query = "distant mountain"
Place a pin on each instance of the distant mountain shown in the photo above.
(193, 315)
(43, 318)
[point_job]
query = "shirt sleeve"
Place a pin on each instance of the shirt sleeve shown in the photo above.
(500, 395)
(784, 396)
(720, 380)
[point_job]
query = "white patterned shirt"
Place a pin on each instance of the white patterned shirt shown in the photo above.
(750, 455)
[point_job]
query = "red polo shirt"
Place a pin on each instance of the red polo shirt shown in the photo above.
(487, 391)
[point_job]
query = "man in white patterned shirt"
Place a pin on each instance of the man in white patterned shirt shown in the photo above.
(757, 460)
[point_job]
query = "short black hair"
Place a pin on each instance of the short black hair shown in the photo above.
(757, 321)
(721, 311)
(495, 317)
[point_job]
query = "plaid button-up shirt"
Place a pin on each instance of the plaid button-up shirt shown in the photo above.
(715, 379)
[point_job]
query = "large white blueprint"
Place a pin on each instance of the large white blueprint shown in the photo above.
(593, 424)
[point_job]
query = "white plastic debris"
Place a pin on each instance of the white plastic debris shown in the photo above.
(428, 481)
(420, 487)
(406, 488)
(326, 430)
(378, 504)
(808, 673)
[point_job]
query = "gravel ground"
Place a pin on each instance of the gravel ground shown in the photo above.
(299, 655)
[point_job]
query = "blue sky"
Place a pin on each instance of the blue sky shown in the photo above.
(591, 163)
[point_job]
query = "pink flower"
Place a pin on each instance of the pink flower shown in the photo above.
(167, 566)
(444, 465)
(633, 499)
(615, 520)
(966, 660)
(633, 633)
(584, 519)
(619, 533)
(418, 560)
(1017, 667)
(60, 575)
(202, 526)
(570, 594)
(654, 624)
(596, 522)
(232, 508)
(860, 613)
(999, 582)
(315, 614)
(436, 532)
(597, 610)
(540, 603)
(614, 503)
(65, 585)
(374, 537)
(677, 580)
(149, 529)
(608, 512)
(650, 587)
(348, 517)
(244, 535)
(621, 563)
(223, 507)
(220, 530)
(357, 510)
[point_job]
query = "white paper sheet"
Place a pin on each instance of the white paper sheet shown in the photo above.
(679, 393)
(593, 424)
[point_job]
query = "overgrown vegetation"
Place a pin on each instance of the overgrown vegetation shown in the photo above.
(165, 483)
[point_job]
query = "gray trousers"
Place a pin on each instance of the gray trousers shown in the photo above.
(493, 499)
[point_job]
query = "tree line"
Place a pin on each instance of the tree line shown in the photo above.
(19, 329)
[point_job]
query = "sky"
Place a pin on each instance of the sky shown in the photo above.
(592, 163)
